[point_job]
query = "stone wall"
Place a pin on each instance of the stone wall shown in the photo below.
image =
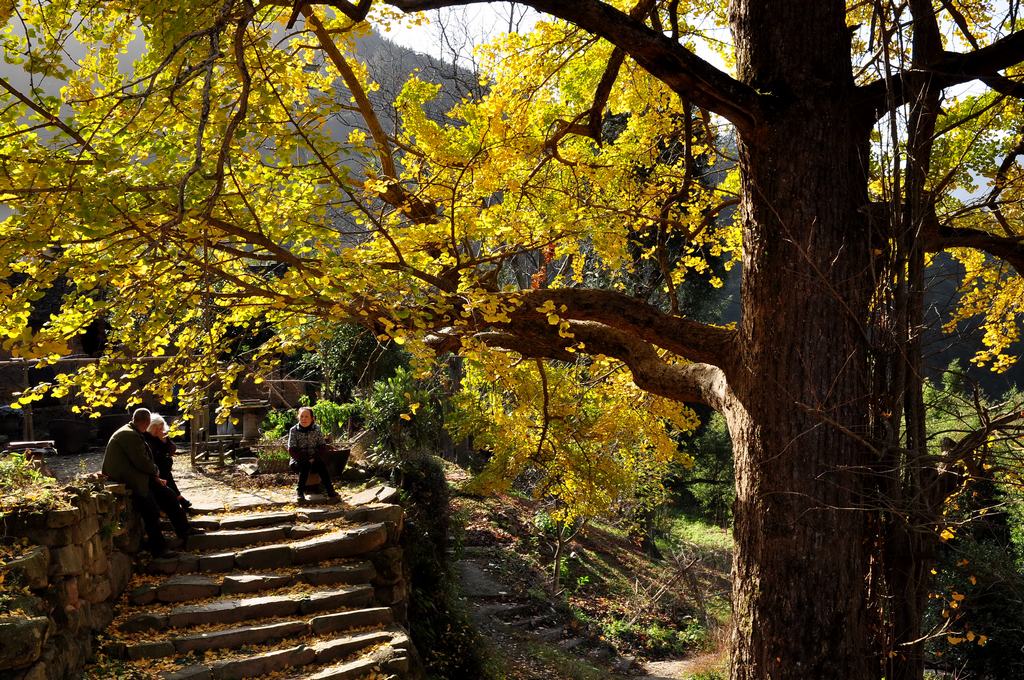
(79, 565)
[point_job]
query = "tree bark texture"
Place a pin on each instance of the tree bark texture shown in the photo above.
(801, 384)
(816, 434)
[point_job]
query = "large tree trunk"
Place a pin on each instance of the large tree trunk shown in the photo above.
(802, 381)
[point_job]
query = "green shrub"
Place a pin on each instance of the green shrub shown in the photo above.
(276, 423)
(334, 418)
(402, 412)
(709, 675)
(273, 454)
(658, 639)
(273, 459)
(438, 621)
(349, 358)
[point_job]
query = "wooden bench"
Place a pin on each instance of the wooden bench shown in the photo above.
(215, 449)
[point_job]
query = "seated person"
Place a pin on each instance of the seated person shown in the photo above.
(306, 446)
(163, 450)
(127, 460)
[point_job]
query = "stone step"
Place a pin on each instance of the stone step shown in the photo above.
(271, 589)
(235, 637)
(325, 547)
(256, 506)
(215, 522)
(253, 520)
(355, 515)
(306, 657)
(226, 539)
(233, 610)
(235, 538)
(176, 589)
(347, 543)
(390, 658)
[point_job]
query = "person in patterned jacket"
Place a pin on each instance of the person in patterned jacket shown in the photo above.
(306, 446)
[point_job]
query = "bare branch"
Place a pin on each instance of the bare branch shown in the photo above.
(51, 119)
(664, 58)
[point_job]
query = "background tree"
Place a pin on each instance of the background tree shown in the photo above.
(201, 177)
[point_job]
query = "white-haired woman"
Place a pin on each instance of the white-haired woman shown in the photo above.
(163, 450)
(306, 446)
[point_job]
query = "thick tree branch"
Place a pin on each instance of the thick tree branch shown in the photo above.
(695, 383)
(686, 73)
(366, 110)
(1010, 249)
(937, 237)
(395, 195)
(685, 338)
(951, 68)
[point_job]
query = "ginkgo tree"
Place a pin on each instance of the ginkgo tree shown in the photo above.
(177, 169)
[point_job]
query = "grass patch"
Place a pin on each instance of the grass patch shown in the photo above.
(22, 485)
(685, 529)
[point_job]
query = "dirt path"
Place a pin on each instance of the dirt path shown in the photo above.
(533, 641)
(679, 668)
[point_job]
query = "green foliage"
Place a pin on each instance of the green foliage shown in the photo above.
(709, 675)
(403, 413)
(272, 459)
(334, 418)
(1015, 517)
(707, 488)
(273, 454)
(977, 594)
(276, 423)
(680, 527)
(349, 358)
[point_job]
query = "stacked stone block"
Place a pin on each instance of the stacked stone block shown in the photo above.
(78, 566)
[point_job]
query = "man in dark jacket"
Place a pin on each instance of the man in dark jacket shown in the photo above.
(127, 460)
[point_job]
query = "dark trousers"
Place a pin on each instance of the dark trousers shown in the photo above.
(150, 512)
(316, 465)
(149, 507)
(173, 487)
(165, 473)
(167, 500)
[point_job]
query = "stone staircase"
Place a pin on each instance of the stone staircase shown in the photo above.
(281, 592)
